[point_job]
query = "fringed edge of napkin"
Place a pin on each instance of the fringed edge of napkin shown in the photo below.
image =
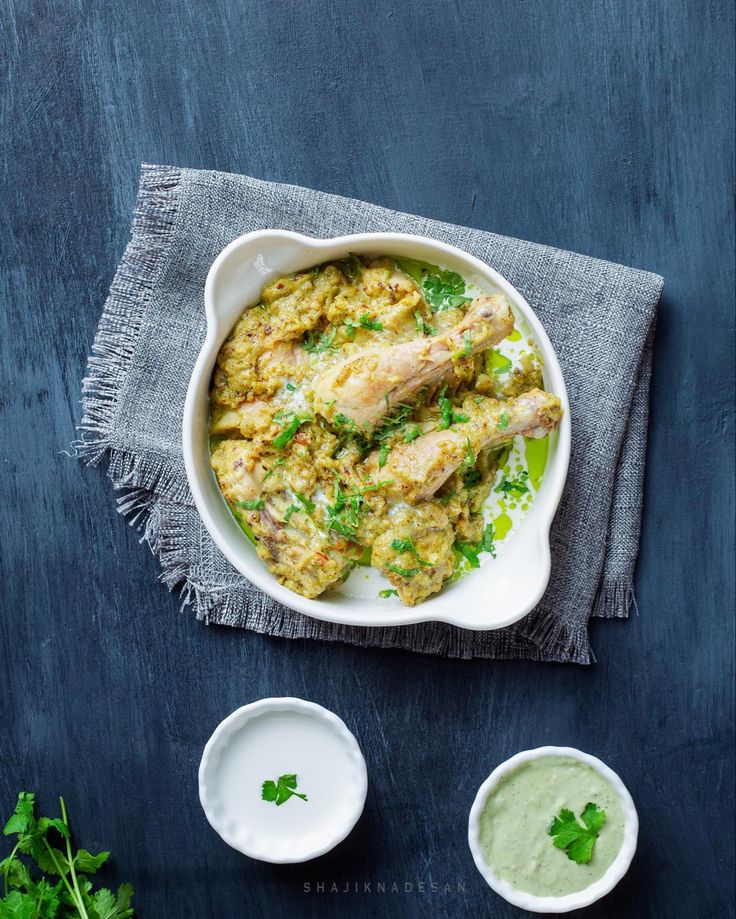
(154, 220)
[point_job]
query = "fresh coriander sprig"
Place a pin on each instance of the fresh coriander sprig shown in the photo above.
(441, 289)
(281, 790)
(575, 840)
(71, 895)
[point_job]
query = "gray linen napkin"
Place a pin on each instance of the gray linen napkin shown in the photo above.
(599, 316)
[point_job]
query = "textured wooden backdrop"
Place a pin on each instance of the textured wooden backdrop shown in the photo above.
(599, 125)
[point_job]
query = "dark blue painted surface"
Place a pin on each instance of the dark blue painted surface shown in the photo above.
(603, 127)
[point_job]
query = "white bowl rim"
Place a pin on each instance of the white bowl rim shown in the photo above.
(240, 717)
(580, 898)
(254, 569)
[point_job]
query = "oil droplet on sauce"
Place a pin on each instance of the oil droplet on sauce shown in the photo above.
(501, 526)
(536, 459)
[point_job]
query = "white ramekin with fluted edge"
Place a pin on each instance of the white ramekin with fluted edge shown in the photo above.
(491, 597)
(580, 898)
(287, 735)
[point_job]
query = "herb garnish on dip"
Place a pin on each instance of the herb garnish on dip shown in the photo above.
(530, 835)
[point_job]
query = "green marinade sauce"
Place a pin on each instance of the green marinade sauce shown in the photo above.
(517, 815)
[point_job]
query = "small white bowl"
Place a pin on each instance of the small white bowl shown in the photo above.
(496, 594)
(580, 898)
(263, 741)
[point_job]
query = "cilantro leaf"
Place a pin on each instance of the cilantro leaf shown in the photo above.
(406, 545)
(257, 504)
(351, 266)
(290, 430)
(442, 289)
(515, 486)
(423, 327)
(593, 817)
(309, 506)
(575, 840)
(402, 572)
(279, 462)
(320, 345)
(371, 324)
(385, 594)
(503, 421)
(472, 551)
(281, 790)
(291, 509)
(469, 551)
(448, 415)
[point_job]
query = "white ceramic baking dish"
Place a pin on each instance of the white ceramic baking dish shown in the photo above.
(498, 593)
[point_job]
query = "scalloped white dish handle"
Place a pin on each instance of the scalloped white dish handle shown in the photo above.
(495, 595)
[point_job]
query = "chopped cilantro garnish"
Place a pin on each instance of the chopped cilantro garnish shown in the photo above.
(471, 478)
(469, 551)
(487, 541)
(448, 415)
(371, 324)
(257, 504)
(394, 422)
(469, 459)
(242, 523)
(445, 500)
(513, 486)
(423, 327)
(406, 545)
(384, 594)
(342, 421)
(343, 516)
(291, 387)
(308, 505)
(290, 430)
(383, 455)
(575, 840)
(412, 434)
(321, 344)
(279, 462)
(402, 572)
(351, 266)
(503, 421)
(374, 486)
(350, 329)
(468, 350)
(291, 509)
